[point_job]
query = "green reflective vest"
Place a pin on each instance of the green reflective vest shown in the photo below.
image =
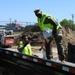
(43, 26)
(27, 50)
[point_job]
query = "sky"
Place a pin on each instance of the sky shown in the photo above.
(23, 10)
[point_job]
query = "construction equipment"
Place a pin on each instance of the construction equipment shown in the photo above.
(6, 38)
(15, 63)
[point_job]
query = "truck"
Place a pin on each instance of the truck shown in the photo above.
(6, 38)
(16, 63)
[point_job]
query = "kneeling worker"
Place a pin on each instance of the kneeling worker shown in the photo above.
(24, 46)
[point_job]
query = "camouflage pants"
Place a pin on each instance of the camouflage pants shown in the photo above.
(58, 40)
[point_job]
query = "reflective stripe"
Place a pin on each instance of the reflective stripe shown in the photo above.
(66, 67)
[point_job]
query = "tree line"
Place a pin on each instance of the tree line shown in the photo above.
(68, 23)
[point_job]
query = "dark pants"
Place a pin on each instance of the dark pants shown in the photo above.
(58, 40)
(49, 50)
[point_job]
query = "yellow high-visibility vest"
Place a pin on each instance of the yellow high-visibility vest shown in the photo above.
(27, 50)
(43, 26)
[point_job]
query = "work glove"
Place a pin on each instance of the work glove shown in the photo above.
(40, 48)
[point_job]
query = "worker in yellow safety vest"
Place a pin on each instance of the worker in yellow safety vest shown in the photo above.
(24, 46)
(50, 29)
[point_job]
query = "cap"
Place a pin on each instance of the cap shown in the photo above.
(36, 10)
(40, 12)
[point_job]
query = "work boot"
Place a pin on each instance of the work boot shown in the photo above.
(51, 56)
(62, 61)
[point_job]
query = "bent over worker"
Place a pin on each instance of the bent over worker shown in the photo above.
(47, 23)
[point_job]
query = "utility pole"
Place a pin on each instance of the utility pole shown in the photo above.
(72, 17)
(72, 20)
(10, 20)
(15, 21)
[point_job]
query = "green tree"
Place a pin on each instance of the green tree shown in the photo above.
(64, 22)
(68, 23)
